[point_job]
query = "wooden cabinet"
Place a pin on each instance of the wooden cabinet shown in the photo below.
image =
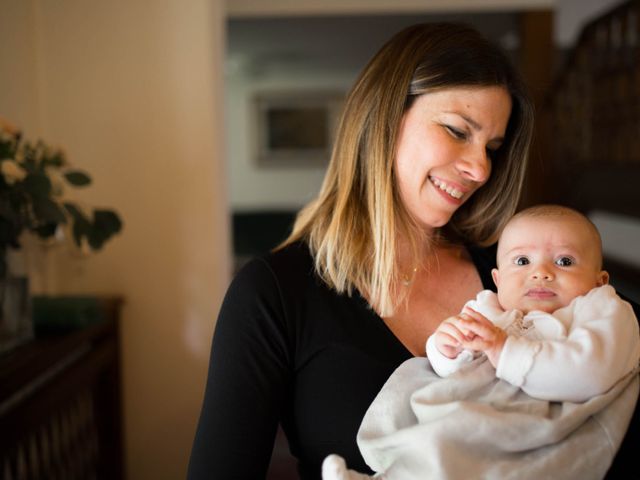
(60, 403)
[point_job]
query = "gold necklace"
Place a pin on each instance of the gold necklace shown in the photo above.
(408, 280)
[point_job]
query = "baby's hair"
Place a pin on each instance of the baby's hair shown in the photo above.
(560, 211)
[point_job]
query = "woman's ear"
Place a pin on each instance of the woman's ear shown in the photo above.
(603, 278)
(495, 274)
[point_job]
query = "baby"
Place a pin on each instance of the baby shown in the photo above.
(526, 380)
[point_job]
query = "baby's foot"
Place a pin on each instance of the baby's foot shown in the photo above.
(334, 468)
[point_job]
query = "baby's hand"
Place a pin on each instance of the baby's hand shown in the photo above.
(449, 339)
(482, 335)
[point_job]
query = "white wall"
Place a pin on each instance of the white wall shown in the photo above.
(621, 236)
(252, 186)
(133, 90)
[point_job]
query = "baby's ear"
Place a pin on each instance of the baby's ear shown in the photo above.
(496, 276)
(603, 278)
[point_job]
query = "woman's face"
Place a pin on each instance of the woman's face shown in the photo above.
(445, 144)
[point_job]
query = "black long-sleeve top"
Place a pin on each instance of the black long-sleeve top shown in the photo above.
(288, 349)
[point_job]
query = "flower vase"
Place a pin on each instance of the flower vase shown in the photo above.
(16, 325)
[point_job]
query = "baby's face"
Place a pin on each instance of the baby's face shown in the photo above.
(545, 262)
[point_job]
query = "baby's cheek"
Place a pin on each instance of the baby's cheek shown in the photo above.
(504, 298)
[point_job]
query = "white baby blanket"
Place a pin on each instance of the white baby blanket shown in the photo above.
(473, 425)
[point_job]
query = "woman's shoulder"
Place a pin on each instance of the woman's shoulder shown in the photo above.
(287, 266)
(292, 257)
(267, 287)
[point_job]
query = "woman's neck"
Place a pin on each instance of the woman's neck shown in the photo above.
(426, 251)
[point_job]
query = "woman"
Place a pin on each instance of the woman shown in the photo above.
(427, 167)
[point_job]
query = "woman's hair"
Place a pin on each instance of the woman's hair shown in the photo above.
(352, 226)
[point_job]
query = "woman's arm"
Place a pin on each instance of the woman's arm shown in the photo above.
(625, 464)
(247, 380)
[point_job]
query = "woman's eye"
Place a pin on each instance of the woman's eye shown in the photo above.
(521, 261)
(564, 261)
(492, 153)
(459, 134)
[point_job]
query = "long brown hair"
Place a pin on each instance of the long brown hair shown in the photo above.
(352, 226)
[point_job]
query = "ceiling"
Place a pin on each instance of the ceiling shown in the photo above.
(338, 42)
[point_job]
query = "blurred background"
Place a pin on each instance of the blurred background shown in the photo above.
(188, 116)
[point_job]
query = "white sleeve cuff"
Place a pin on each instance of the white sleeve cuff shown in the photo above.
(445, 366)
(516, 359)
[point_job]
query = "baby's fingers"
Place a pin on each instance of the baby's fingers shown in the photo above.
(469, 312)
(447, 345)
(462, 323)
(477, 344)
(451, 327)
(483, 329)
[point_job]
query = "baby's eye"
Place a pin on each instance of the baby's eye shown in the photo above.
(521, 260)
(564, 261)
(459, 134)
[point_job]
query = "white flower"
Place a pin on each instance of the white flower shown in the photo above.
(6, 126)
(12, 171)
(57, 182)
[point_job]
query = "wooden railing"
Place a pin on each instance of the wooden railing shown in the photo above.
(60, 405)
(594, 111)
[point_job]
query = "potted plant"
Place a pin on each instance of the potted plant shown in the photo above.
(33, 178)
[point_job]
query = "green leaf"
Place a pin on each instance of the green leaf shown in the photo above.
(7, 149)
(37, 184)
(53, 159)
(80, 230)
(48, 211)
(30, 154)
(72, 209)
(81, 225)
(107, 221)
(77, 178)
(46, 231)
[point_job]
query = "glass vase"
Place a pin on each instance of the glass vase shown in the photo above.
(16, 325)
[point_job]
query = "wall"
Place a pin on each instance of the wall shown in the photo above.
(254, 187)
(133, 91)
(19, 92)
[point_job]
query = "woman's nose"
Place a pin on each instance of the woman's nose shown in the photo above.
(476, 165)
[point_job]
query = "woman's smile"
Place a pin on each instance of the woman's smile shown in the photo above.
(452, 191)
(445, 144)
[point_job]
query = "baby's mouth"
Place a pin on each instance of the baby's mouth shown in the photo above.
(452, 191)
(540, 293)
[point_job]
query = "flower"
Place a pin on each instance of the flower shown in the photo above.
(12, 171)
(32, 182)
